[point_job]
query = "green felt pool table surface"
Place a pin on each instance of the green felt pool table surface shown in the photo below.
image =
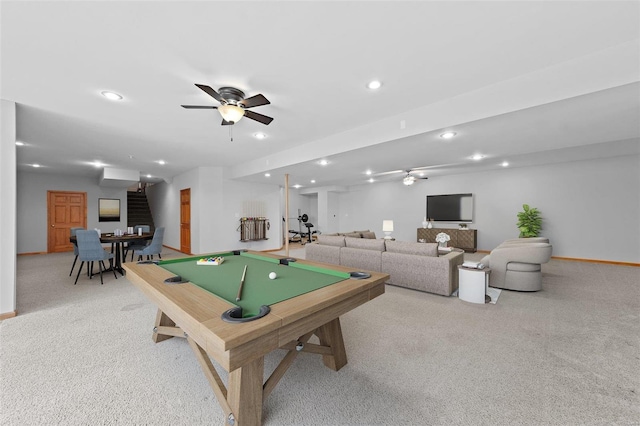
(224, 280)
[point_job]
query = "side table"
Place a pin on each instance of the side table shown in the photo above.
(473, 284)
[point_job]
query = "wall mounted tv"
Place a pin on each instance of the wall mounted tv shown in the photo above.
(450, 208)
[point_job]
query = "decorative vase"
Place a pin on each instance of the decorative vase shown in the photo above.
(425, 223)
(429, 225)
(442, 244)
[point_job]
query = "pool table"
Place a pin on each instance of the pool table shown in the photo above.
(198, 302)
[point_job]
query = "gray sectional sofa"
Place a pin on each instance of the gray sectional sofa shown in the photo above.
(412, 265)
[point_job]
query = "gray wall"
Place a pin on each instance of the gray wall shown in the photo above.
(32, 206)
(8, 210)
(590, 209)
(217, 204)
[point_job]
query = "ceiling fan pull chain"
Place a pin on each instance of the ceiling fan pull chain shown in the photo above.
(231, 133)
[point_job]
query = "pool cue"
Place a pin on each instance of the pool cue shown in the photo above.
(244, 274)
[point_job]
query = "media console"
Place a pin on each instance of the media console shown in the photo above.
(466, 239)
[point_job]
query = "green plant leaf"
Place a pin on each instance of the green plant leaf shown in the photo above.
(529, 221)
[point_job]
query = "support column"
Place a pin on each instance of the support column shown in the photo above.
(8, 221)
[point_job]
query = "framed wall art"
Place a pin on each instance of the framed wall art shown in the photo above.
(108, 210)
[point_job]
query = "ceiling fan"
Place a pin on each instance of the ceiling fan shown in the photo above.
(234, 105)
(409, 178)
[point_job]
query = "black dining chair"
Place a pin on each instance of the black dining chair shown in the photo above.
(90, 250)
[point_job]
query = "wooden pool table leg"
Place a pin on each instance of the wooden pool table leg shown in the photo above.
(330, 335)
(245, 392)
(162, 320)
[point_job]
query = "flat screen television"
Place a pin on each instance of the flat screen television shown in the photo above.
(450, 208)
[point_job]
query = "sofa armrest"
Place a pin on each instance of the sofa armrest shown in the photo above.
(437, 275)
(321, 253)
(536, 253)
(524, 241)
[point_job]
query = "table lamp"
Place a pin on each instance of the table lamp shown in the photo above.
(387, 228)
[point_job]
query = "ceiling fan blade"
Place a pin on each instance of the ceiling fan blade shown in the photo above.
(209, 91)
(436, 166)
(390, 173)
(198, 107)
(258, 117)
(254, 101)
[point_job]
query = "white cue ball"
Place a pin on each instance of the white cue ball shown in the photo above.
(272, 275)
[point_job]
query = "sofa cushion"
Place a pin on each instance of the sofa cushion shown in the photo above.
(322, 253)
(369, 234)
(364, 243)
(405, 247)
(361, 260)
(353, 235)
(331, 240)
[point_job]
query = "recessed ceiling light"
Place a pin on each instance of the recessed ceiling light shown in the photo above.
(36, 165)
(259, 135)
(505, 164)
(374, 84)
(368, 172)
(267, 175)
(296, 186)
(323, 162)
(477, 157)
(113, 96)
(97, 164)
(313, 181)
(448, 135)
(371, 180)
(18, 143)
(162, 162)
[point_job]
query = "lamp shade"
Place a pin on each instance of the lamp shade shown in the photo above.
(387, 226)
(231, 113)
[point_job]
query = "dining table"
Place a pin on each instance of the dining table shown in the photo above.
(118, 247)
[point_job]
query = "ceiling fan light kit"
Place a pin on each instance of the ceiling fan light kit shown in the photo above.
(231, 113)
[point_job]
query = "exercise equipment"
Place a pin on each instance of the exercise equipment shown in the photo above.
(300, 235)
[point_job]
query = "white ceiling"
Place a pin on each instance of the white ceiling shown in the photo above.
(523, 82)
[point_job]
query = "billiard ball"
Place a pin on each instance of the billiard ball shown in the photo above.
(272, 275)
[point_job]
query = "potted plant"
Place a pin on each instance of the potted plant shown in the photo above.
(529, 222)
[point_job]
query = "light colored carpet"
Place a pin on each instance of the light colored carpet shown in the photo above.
(568, 355)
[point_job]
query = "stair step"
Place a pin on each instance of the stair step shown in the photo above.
(138, 212)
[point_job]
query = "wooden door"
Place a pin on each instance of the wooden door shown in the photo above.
(185, 220)
(65, 210)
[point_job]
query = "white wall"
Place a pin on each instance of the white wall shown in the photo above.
(308, 204)
(8, 207)
(590, 209)
(32, 206)
(216, 208)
